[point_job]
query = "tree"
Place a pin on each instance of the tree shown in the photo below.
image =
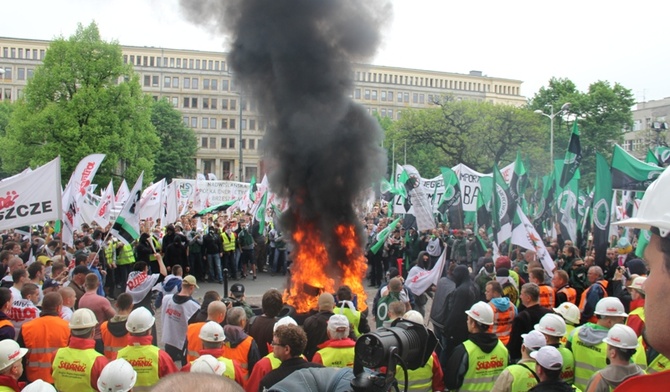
(176, 156)
(474, 133)
(603, 112)
(6, 108)
(83, 100)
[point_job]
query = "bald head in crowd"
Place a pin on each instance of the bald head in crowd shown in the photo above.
(51, 303)
(184, 382)
(216, 311)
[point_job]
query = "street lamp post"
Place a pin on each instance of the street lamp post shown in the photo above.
(240, 141)
(551, 116)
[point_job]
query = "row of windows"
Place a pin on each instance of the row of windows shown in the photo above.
(172, 62)
(226, 123)
(208, 166)
(209, 103)
(375, 77)
(21, 73)
(387, 96)
(21, 53)
(229, 143)
(188, 83)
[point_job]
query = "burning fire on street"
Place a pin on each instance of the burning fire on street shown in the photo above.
(313, 273)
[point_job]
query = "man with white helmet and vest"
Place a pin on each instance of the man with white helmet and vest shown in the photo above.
(654, 215)
(475, 364)
(621, 346)
(150, 362)
(428, 377)
(212, 337)
(268, 363)
(548, 369)
(553, 328)
(636, 314)
(570, 314)
(521, 376)
(586, 342)
(117, 376)
(11, 366)
(338, 350)
(78, 366)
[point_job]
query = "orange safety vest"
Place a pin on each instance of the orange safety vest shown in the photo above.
(194, 342)
(6, 323)
(547, 297)
(43, 336)
(112, 344)
(582, 302)
(240, 354)
(570, 294)
(502, 323)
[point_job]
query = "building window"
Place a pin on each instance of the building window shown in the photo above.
(367, 94)
(194, 83)
(261, 125)
(252, 125)
(205, 84)
(132, 59)
(194, 122)
(390, 96)
(30, 72)
(204, 123)
(357, 93)
(215, 84)
(8, 73)
(187, 103)
(250, 172)
(186, 121)
(178, 63)
(41, 54)
(216, 65)
(231, 142)
(383, 96)
(224, 123)
(243, 143)
(225, 85)
(252, 144)
(224, 142)
(374, 95)
(190, 63)
(175, 82)
(224, 104)
(212, 123)
(422, 98)
(244, 124)
(383, 112)
(204, 142)
(194, 103)
(205, 103)
(399, 97)
(175, 101)
(187, 82)
(154, 81)
(415, 97)
(167, 82)
(197, 64)
(232, 123)
(233, 104)
(147, 80)
(213, 103)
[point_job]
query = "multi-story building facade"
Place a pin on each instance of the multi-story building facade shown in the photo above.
(229, 128)
(649, 127)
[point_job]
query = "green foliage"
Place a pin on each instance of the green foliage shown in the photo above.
(474, 133)
(603, 112)
(176, 156)
(83, 100)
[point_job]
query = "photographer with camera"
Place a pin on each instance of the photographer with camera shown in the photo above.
(475, 364)
(237, 299)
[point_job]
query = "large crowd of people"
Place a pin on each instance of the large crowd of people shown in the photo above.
(84, 317)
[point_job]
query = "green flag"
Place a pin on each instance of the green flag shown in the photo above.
(504, 208)
(517, 185)
(662, 154)
(383, 236)
(401, 186)
(260, 213)
(452, 190)
(602, 202)
(572, 157)
(630, 173)
(252, 189)
(651, 158)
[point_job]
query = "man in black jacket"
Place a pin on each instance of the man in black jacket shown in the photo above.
(526, 319)
(461, 299)
(438, 312)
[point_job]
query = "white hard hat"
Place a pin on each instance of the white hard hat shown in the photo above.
(83, 318)
(610, 306)
(208, 364)
(621, 336)
(212, 332)
(569, 311)
(117, 376)
(288, 320)
(139, 320)
(10, 352)
(414, 316)
(653, 211)
(552, 325)
(39, 386)
(481, 312)
(638, 284)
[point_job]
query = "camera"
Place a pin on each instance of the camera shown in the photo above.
(406, 343)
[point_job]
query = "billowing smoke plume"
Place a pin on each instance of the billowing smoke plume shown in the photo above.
(294, 57)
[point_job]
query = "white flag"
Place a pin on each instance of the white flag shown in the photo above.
(419, 280)
(127, 225)
(31, 198)
(212, 177)
(105, 206)
(75, 190)
(151, 202)
(121, 194)
(527, 237)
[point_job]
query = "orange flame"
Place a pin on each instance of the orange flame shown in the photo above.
(313, 271)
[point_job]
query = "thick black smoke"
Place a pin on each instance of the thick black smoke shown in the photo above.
(295, 58)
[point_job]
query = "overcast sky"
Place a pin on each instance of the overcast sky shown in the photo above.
(585, 41)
